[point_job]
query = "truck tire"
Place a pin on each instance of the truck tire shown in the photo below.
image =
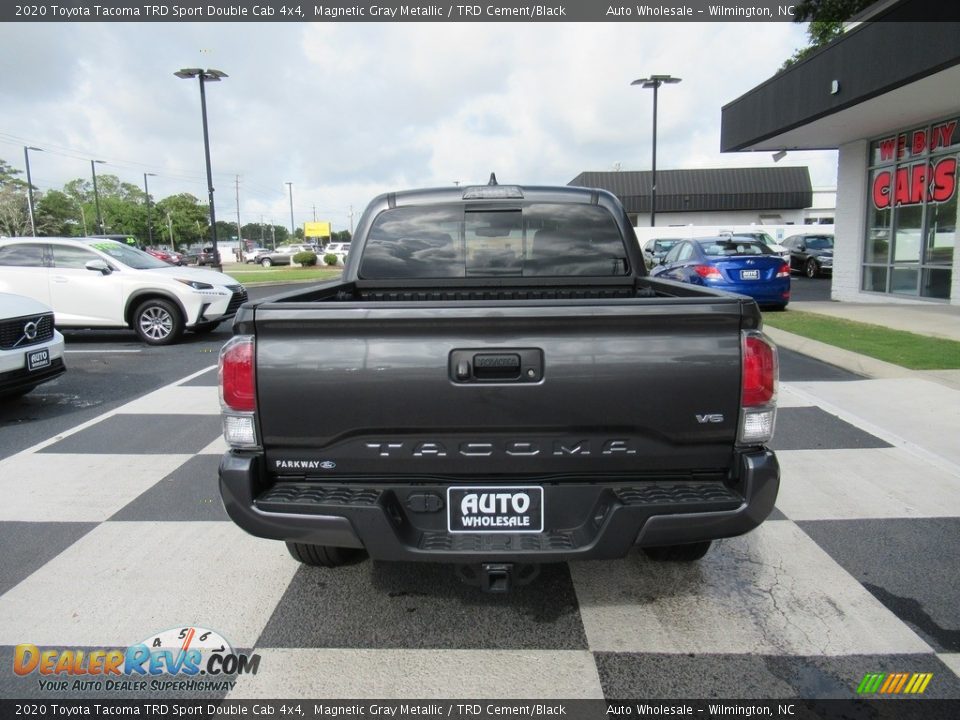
(322, 555)
(678, 553)
(158, 322)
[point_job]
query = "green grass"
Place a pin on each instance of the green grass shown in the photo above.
(909, 350)
(283, 274)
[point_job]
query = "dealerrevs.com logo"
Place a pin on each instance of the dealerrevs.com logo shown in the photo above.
(190, 659)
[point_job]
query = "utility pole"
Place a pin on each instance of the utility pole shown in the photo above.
(30, 204)
(173, 244)
(351, 222)
(314, 213)
(96, 195)
(261, 231)
(290, 188)
(239, 234)
(146, 191)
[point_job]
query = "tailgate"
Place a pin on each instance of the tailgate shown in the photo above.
(379, 390)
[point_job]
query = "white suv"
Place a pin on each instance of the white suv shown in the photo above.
(31, 350)
(93, 282)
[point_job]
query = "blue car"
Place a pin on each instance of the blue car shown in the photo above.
(735, 264)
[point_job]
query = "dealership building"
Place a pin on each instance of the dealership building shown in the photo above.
(775, 196)
(886, 95)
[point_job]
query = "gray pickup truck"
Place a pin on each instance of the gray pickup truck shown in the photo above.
(496, 383)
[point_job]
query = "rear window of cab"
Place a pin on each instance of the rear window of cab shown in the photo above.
(457, 241)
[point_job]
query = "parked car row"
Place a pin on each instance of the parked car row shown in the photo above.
(811, 253)
(735, 264)
(284, 254)
(102, 283)
(168, 256)
(751, 263)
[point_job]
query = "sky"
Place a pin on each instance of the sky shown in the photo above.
(345, 111)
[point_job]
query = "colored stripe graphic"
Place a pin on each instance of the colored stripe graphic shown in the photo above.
(894, 683)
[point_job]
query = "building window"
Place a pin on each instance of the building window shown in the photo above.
(912, 213)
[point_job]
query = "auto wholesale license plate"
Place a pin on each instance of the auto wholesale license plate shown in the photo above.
(495, 509)
(38, 359)
(749, 274)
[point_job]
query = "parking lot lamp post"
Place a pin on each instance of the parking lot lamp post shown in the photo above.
(96, 195)
(206, 76)
(654, 81)
(30, 205)
(290, 188)
(146, 191)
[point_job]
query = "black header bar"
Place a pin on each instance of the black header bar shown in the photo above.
(394, 11)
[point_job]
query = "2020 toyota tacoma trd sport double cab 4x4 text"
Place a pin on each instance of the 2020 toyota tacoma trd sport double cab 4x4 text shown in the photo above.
(495, 382)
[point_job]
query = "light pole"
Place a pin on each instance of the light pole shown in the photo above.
(26, 160)
(655, 81)
(146, 190)
(96, 195)
(290, 188)
(206, 76)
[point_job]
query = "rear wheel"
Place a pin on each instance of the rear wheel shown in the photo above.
(266, 262)
(811, 268)
(678, 553)
(323, 555)
(158, 322)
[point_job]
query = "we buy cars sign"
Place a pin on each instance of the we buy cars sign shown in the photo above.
(933, 181)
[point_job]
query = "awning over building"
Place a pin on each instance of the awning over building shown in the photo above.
(881, 74)
(709, 189)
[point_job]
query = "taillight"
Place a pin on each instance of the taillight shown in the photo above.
(759, 371)
(238, 397)
(237, 379)
(784, 271)
(758, 394)
(707, 272)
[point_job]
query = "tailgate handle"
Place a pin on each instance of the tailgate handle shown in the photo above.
(504, 366)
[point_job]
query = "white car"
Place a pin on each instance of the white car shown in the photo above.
(98, 283)
(31, 349)
(763, 237)
(341, 250)
(253, 254)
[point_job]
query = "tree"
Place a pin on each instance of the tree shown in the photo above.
(189, 219)
(14, 213)
(281, 233)
(58, 214)
(257, 232)
(833, 11)
(8, 177)
(226, 230)
(826, 22)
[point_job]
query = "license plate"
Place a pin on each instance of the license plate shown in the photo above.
(38, 359)
(749, 274)
(495, 509)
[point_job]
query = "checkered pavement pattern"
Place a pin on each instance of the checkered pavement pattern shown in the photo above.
(114, 531)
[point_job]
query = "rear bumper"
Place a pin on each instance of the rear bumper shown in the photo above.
(773, 293)
(583, 520)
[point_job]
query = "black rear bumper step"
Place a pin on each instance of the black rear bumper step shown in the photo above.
(581, 521)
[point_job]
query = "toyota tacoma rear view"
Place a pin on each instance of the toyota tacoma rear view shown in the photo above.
(496, 383)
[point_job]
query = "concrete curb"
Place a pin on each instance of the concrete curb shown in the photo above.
(854, 362)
